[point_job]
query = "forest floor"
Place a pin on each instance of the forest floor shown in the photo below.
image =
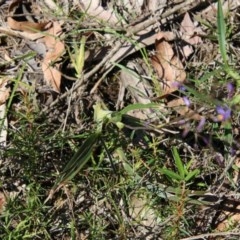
(119, 119)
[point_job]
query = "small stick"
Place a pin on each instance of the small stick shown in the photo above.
(202, 236)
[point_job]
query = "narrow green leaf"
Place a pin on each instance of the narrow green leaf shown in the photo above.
(232, 73)
(137, 124)
(203, 97)
(178, 162)
(79, 159)
(235, 100)
(221, 32)
(126, 69)
(192, 174)
(171, 174)
(228, 133)
(80, 56)
(138, 106)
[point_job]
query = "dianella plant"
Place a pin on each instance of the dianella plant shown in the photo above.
(102, 118)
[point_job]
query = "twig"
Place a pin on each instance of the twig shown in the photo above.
(132, 30)
(202, 236)
(141, 26)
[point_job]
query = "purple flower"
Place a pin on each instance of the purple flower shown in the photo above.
(201, 124)
(182, 122)
(223, 112)
(178, 85)
(182, 88)
(230, 90)
(186, 101)
(186, 130)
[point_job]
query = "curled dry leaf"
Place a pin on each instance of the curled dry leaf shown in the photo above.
(210, 13)
(189, 31)
(55, 46)
(168, 67)
(168, 36)
(94, 9)
(190, 34)
(26, 26)
(50, 38)
(52, 75)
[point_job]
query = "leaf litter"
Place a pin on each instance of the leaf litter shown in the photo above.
(165, 67)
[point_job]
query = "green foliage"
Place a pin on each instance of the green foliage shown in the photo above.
(101, 118)
(79, 159)
(223, 45)
(183, 174)
(77, 57)
(222, 33)
(25, 219)
(110, 163)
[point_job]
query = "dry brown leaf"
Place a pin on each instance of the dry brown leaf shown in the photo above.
(52, 75)
(50, 38)
(30, 36)
(180, 107)
(168, 67)
(55, 46)
(94, 9)
(50, 4)
(187, 51)
(168, 36)
(2, 202)
(189, 35)
(4, 90)
(141, 212)
(230, 219)
(26, 26)
(162, 60)
(210, 13)
(189, 30)
(4, 95)
(153, 5)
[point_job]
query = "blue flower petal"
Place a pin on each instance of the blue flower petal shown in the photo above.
(224, 112)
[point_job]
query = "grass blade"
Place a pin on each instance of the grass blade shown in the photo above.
(80, 57)
(79, 159)
(192, 174)
(138, 106)
(171, 174)
(178, 162)
(221, 32)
